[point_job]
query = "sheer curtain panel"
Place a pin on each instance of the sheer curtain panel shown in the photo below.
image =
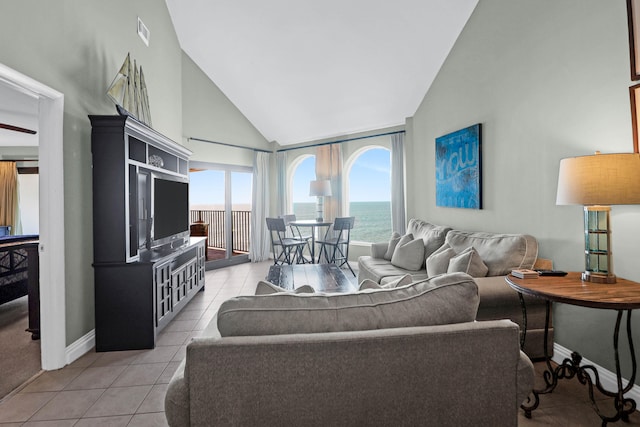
(283, 194)
(329, 166)
(398, 219)
(260, 241)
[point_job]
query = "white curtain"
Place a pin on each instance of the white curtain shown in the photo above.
(398, 219)
(282, 193)
(260, 241)
(329, 166)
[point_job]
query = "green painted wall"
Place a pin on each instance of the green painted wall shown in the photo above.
(77, 47)
(547, 79)
(208, 114)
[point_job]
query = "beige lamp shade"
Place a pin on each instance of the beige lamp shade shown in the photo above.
(600, 179)
(320, 188)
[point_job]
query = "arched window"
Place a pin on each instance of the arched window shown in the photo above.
(303, 171)
(368, 193)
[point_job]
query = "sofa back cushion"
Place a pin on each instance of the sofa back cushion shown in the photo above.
(500, 252)
(432, 235)
(449, 298)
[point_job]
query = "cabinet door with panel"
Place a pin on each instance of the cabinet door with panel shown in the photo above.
(162, 279)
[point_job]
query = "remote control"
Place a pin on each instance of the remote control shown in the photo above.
(552, 272)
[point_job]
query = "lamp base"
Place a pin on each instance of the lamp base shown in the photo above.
(589, 276)
(319, 209)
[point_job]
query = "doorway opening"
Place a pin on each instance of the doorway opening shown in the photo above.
(220, 209)
(51, 215)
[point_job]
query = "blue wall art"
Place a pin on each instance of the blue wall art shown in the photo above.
(458, 169)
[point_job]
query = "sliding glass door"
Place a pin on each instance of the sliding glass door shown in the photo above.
(220, 209)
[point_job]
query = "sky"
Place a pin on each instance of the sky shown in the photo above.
(207, 188)
(370, 177)
(369, 181)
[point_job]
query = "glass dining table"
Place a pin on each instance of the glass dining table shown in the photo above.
(314, 225)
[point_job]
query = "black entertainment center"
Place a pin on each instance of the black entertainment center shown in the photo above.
(146, 265)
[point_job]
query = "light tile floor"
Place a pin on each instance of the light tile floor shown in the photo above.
(127, 388)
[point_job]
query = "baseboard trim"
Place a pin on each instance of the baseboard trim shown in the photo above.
(80, 347)
(607, 378)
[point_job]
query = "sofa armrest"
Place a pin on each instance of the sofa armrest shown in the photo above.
(176, 401)
(379, 249)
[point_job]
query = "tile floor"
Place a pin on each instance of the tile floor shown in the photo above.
(127, 388)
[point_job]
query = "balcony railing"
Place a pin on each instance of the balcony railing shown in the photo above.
(240, 221)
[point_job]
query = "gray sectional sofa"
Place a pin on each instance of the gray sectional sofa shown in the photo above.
(499, 253)
(409, 355)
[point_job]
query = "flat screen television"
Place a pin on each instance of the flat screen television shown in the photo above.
(170, 210)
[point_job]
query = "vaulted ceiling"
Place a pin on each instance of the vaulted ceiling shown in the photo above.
(303, 70)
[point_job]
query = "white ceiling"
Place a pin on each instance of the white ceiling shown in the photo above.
(302, 70)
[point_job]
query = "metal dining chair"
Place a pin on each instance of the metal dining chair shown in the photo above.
(286, 250)
(336, 249)
(296, 233)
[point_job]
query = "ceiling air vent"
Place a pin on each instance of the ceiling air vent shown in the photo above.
(143, 32)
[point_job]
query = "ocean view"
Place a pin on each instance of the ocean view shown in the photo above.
(373, 219)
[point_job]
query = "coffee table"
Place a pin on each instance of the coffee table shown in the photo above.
(623, 296)
(321, 277)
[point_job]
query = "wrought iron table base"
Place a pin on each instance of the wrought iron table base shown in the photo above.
(570, 367)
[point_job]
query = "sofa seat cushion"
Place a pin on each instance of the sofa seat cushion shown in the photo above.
(449, 298)
(500, 252)
(381, 271)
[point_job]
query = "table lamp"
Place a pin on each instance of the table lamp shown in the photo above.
(320, 189)
(596, 182)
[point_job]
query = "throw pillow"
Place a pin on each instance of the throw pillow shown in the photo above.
(369, 284)
(266, 288)
(393, 242)
(409, 253)
(438, 262)
(401, 281)
(468, 261)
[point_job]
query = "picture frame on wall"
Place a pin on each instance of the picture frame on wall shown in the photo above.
(458, 168)
(633, 21)
(634, 95)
